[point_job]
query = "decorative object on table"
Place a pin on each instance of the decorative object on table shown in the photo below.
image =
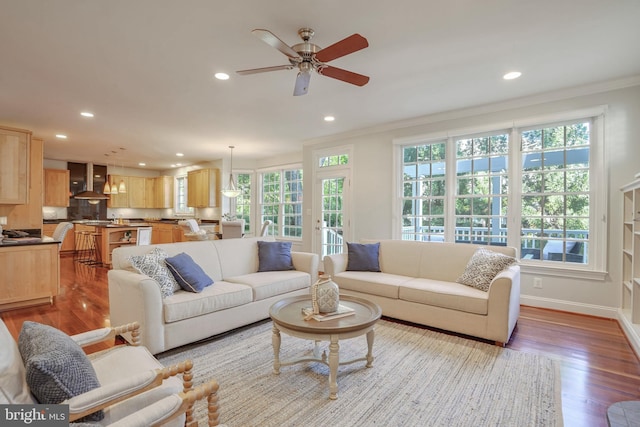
(342, 311)
(325, 296)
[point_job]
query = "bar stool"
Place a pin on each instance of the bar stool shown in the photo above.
(82, 248)
(96, 255)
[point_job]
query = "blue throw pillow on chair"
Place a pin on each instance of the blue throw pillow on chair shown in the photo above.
(189, 275)
(274, 256)
(363, 257)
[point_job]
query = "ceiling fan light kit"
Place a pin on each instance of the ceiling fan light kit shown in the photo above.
(307, 57)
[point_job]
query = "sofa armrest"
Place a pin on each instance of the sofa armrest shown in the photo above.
(307, 262)
(335, 264)
(136, 297)
(504, 302)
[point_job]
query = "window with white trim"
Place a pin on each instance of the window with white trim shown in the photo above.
(180, 204)
(243, 201)
(281, 202)
(532, 187)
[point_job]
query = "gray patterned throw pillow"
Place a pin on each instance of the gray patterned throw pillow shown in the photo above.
(153, 265)
(56, 366)
(483, 266)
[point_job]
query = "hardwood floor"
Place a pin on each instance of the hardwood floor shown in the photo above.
(598, 366)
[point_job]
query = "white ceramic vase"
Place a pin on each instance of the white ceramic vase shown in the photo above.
(326, 294)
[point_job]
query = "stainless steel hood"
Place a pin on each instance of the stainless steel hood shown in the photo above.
(89, 194)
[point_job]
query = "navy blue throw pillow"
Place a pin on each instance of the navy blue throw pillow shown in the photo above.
(274, 256)
(363, 257)
(189, 275)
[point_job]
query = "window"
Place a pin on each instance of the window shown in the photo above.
(333, 160)
(180, 204)
(243, 201)
(555, 193)
(281, 202)
(532, 187)
(424, 191)
(481, 189)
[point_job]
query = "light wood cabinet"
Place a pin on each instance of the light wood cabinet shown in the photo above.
(203, 188)
(150, 192)
(68, 244)
(29, 214)
(631, 254)
(14, 166)
(120, 200)
(162, 233)
(56, 187)
(114, 237)
(30, 275)
(163, 198)
(136, 191)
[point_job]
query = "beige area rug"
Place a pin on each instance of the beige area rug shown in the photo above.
(419, 378)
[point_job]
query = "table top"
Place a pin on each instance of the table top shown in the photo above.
(288, 313)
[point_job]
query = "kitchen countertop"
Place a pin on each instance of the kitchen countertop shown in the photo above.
(25, 241)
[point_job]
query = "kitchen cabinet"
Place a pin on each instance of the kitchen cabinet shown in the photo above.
(29, 214)
(56, 187)
(30, 275)
(120, 200)
(203, 188)
(114, 237)
(150, 192)
(68, 244)
(14, 166)
(163, 198)
(162, 233)
(136, 191)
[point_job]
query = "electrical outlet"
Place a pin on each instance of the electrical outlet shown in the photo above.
(537, 282)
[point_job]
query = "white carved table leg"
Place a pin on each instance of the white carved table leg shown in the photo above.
(275, 340)
(334, 359)
(370, 336)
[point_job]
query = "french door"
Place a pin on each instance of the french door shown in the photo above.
(331, 221)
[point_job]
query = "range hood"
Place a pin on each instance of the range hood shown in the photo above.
(90, 195)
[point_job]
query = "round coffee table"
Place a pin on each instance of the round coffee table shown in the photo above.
(288, 318)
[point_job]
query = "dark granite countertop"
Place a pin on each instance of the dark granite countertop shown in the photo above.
(25, 241)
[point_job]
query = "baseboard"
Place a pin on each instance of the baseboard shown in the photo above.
(631, 331)
(570, 306)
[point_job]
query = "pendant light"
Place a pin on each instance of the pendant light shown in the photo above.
(231, 190)
(107, 187)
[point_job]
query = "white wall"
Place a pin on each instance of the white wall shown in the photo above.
(373, 180)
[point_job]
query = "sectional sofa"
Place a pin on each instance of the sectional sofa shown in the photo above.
(417, 283)
(239, 295)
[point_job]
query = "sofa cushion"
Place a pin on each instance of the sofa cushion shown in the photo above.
(152, 264)
(271, 283)
(368, 282)
(274, 256)
(449, 295)
(187, 273)
(483, 266)
(56, 366)
(184, 305)
(13, 385)
(363, 257)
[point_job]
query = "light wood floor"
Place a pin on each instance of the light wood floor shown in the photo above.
(598, 366)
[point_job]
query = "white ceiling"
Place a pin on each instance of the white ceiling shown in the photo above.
(145, 68)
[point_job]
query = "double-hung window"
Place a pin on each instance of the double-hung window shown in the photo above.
(243, 201)
(281, 202)
(533, 186)
(180, 204)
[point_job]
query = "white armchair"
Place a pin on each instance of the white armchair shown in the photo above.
(129, 377)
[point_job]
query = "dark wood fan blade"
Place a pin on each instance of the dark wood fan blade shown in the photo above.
(344, 75)
(344, 47)
(269, 38)
(264, 70)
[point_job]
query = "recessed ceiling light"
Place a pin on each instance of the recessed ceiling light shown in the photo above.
(179, 154)
(142, 164)
(329, 118)
(178, 164)
(173, 166)
(512, 75)
(86, 114)
(61, 136)
(221, 76)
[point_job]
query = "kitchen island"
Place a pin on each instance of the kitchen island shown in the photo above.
(30, 272)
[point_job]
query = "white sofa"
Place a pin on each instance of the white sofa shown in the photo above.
(417, 283)
(239, 296)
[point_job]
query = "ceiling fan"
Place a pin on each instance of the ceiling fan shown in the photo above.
(307, 56)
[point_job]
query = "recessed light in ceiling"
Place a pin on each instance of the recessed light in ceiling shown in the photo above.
(512, 75)
(329, 118)
(173, 166)
(86, 114)
(142, 164)
(221, 76)
(179, 154)
(61, 136)
(178, 164)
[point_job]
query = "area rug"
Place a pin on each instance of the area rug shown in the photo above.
(419, 378)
